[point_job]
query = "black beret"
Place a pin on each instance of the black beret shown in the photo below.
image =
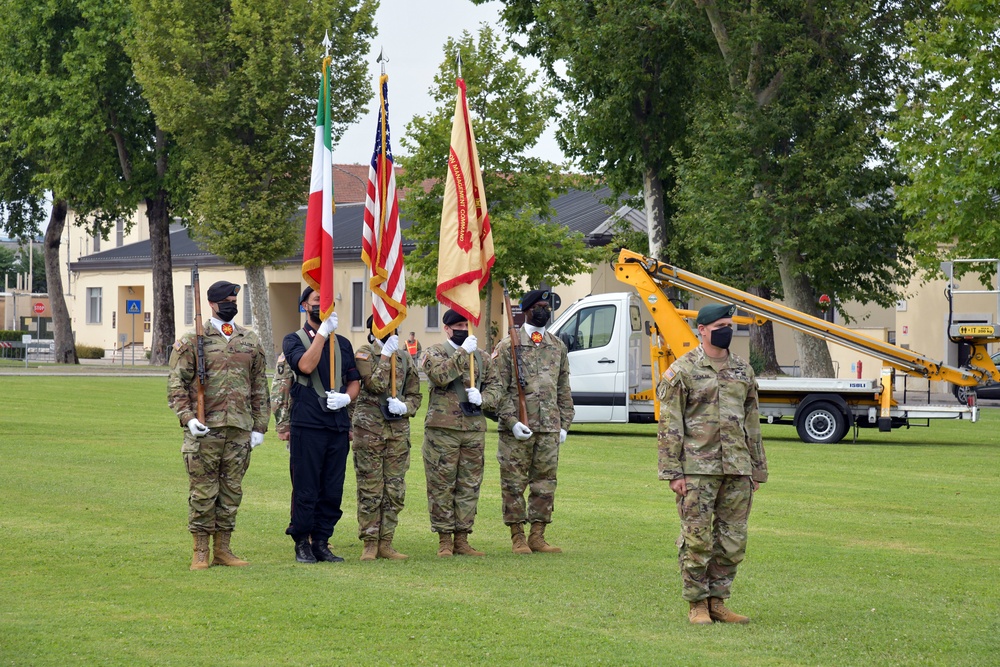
(222, 290)
(715, 312)
(533, 297)
(453, 317)
(305, 294)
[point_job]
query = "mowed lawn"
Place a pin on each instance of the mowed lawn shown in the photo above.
(883, 552)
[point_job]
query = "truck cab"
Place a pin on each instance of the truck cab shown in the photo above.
(605, 343)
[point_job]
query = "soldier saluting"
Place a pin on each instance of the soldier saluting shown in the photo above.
(217, 448)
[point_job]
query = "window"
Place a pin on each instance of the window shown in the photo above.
(94, 305)
(357, 305)
(97, 243)
(247, 311)
(188, 305)
(433, 321)
(119, 233)
(590, 328)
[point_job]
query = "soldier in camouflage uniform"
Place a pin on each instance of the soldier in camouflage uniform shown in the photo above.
(382, 441)
(710, 450)
(455, 433)
(217, 453)
(529, 452)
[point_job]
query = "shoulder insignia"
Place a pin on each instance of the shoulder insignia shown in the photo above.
(178, 345)
(496, 351)
(281, 358)
(669, 375)
(363, 356)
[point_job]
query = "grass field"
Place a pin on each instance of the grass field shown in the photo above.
(882, 552)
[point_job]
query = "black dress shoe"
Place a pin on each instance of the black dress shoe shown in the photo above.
(303, 552)
(321, 552)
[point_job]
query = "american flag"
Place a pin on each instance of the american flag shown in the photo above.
(382, 248)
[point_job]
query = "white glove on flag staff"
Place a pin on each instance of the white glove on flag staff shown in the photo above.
(335, 400)
(521, 432)
(396, 406)
(197, 428)
(475, 397)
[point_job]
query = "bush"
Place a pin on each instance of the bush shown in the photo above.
(89, 352)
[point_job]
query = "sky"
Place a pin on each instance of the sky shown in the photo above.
(412, 34)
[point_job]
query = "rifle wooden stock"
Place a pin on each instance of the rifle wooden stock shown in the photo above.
(199, 332)
(522, 405)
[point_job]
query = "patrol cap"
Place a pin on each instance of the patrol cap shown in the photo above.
(715, 312)
(533, 297)
(305, 294)
(451, 317)
(222, 290)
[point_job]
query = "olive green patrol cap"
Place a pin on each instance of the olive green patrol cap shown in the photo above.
(715, 312)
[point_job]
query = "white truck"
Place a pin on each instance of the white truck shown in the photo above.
(606, 335)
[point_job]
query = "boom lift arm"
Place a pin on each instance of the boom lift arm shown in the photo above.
(650, 277)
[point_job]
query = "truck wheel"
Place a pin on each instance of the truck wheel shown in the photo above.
(822, 423)
(962, 393)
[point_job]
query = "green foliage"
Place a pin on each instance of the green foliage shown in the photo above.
(946, 133)
(788, 160)
(235, 84)
(508, 116)
(89, 352)
(852, 561)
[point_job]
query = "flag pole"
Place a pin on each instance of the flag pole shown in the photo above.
(332, 340)
(382, 60)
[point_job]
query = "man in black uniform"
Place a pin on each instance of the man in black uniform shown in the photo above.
(320, 428)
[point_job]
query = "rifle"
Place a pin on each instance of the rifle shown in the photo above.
(521, 403)
(199, 332)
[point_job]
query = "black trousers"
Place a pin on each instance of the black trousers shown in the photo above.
(317, 461)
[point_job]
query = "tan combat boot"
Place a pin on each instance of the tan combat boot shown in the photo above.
(536, 540)
(463, 548)
(200, 559)
(519, 545)
(371, 550)
(223, 556)
(385, 550)
(719, 612)
(445, 548)
(698, 615)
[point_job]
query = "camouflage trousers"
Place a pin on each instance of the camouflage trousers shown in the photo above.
(529, 464)
(453, 465)
(380, 463)
(713, 537)
(215, 463)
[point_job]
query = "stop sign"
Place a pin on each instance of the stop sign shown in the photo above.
(39, 307)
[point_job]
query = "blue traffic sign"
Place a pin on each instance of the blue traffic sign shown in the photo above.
(133, 306)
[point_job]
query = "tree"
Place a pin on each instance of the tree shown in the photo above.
(627, 79)
(789, 161)
(234, 83)
(947, 133)
(508, 117)
(14, 262)
(83, 130)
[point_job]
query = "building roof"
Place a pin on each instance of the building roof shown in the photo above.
(580, 210)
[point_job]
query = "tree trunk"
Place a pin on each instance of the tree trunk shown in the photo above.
(158, 214)
(488, 318)
(261, 309)
(762, 338)
(814, 355)
(62, 328)
(656, 224)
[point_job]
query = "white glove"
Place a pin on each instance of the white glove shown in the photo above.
(475, 397)
(335, 400)
(197, 428)
(562, 435)
(256, 439)
(396, 406)
(390, 345)
(521, 432)
(328, 326)
(469, 344)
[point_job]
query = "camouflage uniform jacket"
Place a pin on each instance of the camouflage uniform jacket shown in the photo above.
(544, 373)
(281, 395)
(376, 373)
(443, 364)
(236, 383)
(709, 423)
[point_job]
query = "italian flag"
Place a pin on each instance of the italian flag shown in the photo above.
(317, 249)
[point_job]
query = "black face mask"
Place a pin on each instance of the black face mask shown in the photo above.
(458, 336)
(721, 338)
(314, 314)
(227, 311)
(538, 317)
